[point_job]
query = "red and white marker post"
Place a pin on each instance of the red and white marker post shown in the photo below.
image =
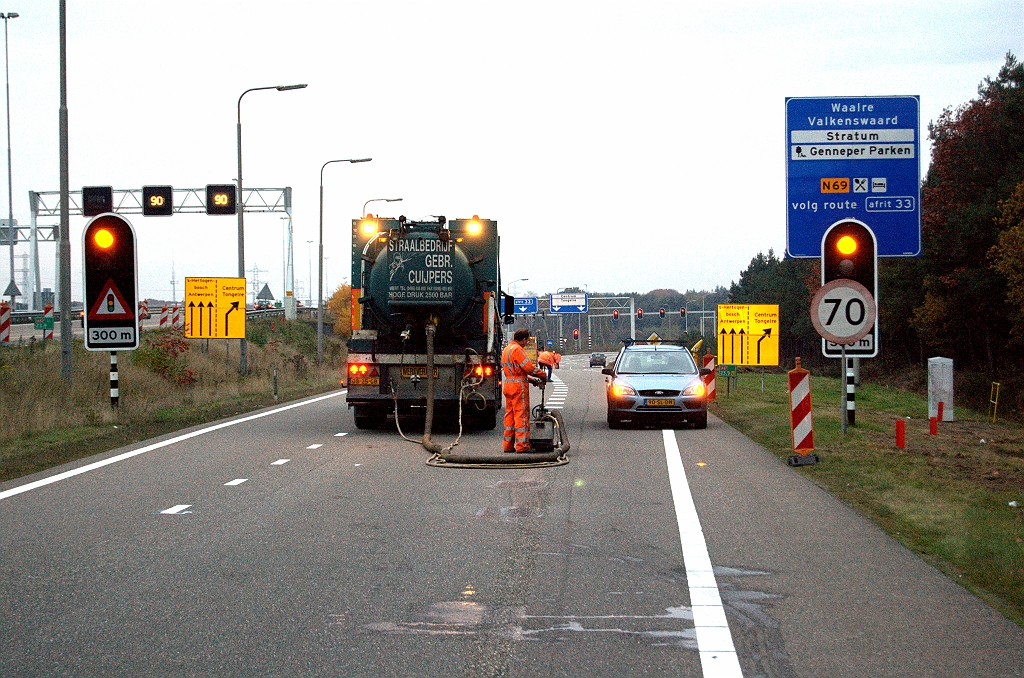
(176, 316)
(800, 417)
(709, 381)
(5, 323)
(163, 317)
(48, 323)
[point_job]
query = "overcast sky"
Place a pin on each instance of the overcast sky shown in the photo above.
(620, 146)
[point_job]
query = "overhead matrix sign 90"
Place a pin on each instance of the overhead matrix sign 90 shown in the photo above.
(853, 158)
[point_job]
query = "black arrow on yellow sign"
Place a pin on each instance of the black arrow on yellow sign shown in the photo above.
(767, 334)
(234, 307)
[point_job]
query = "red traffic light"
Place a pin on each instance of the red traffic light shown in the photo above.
(682, 312)
(661, 312)
(575, 334)
(615, 314)
(639, 313)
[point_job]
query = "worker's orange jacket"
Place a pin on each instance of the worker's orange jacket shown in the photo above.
(515, 367)
(546, 358)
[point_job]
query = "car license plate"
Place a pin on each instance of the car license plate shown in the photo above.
(418, 370)
(658, 402)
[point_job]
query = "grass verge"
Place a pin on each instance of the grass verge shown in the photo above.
(946, 497)
(169, 383)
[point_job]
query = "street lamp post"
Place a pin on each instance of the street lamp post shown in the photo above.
(244, 349)
(320, 284)
(309, 263)
(363, 214)
(12, 289)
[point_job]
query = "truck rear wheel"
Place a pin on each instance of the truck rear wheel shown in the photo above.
(369, 417)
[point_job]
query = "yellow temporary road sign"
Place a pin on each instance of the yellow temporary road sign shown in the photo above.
(655, 339)
(215, 308)
(748, 334)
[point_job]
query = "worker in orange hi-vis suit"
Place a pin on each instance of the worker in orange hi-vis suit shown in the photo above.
(547, 361)
(516, 372)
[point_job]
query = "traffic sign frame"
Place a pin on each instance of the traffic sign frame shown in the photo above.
(121, 332)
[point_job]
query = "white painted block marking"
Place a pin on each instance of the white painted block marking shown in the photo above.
(176, 510)
(314, 446)
(343, 433)
(236, 481)
(280, 462)
(718, 658)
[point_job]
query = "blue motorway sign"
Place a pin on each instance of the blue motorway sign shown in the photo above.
(568, 302)
(853, 157)
(525, 305)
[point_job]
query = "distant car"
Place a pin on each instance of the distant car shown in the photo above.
(656, 383)
(598, 360)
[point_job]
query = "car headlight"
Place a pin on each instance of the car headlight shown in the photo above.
(620, 389)
(696, 389)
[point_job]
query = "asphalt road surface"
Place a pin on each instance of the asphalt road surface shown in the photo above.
(275, 546)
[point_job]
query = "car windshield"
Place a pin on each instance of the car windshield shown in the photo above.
(657, 362)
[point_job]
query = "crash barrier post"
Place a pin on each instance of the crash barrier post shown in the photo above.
(800, 417)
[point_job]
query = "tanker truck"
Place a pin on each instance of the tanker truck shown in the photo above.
(426, 324)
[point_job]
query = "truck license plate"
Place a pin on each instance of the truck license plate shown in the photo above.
(656, 402)
(364, 381)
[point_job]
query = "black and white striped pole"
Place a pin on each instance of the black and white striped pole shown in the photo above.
(851, 393)
(114, 392)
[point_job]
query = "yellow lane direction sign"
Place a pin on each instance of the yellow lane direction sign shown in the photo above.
(215, 308)
(748, 334)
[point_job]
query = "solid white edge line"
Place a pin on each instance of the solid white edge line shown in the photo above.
(156, 446)
(718, 658)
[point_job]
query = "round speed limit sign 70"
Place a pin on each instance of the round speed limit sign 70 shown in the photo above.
(843, 311)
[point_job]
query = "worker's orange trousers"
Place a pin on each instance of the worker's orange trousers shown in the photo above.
(517, 418)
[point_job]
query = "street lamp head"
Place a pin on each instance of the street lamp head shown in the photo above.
(282, 88)
(361, 160)
(392, 200)
(9, 15)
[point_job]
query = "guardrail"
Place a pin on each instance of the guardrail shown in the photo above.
(26, 317)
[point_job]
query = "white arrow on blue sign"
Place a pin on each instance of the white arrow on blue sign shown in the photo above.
(568, 302)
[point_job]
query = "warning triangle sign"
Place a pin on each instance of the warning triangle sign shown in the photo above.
(110, 305)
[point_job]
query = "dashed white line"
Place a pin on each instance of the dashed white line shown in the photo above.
(236, 481)
(280, 462)
(343, 433)
(718, 658)
(176, 510)
(314, 446)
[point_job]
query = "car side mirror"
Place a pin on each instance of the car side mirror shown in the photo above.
(607, 371)
(705, 371)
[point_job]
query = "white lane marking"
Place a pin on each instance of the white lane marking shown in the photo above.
(343, 433)
(314, 446)
(236, 481)
(156, 446)
(280, 462)
(718, 658)
(176, 510)
(358, 464)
